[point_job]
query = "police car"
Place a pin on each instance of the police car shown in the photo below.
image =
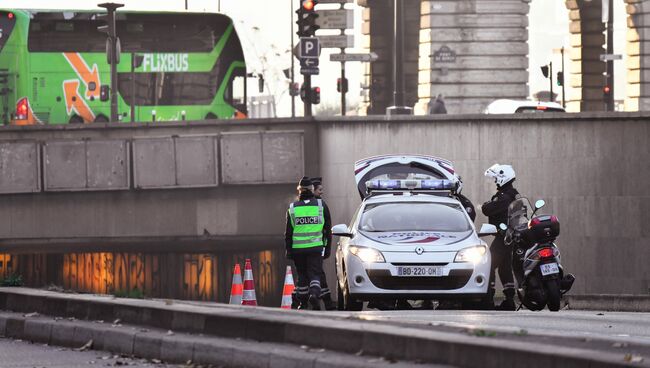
(410, 238)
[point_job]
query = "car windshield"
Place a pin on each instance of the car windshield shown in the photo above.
(379, 217)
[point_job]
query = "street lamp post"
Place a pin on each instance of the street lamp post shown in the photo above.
(398, 107)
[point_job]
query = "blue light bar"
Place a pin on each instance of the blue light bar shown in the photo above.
(439, 184)
(442, 184)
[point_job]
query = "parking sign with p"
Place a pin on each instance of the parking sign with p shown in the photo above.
(309, 48)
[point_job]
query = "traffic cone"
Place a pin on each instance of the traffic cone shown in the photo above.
(249, 285)
(288, 289)
(237, 288)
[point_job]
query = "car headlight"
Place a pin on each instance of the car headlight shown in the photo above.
(471, 254)
(367, 255)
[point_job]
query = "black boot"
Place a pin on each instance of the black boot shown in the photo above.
(327, 301)
(314, 302)
(509, 303)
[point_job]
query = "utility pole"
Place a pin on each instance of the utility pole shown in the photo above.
(398, 107)
(550, 78)
(563, 78)
(609, 78)
(293, 73)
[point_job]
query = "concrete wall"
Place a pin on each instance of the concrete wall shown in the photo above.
(592, 170)
(172, 197)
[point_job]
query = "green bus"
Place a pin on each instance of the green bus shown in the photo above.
(173, 66)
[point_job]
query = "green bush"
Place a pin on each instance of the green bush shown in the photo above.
(12, 280)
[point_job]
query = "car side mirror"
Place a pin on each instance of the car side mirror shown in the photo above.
(539, 204)
(503, 226)
(487, 229)
(341, 230)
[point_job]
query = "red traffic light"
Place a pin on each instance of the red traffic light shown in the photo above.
(606, 89)
(317, 89)
(308, 5)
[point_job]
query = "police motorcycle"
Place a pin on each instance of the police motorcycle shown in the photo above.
(541, 280)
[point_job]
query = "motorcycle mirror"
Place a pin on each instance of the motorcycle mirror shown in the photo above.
(539, 204)
(503, 226)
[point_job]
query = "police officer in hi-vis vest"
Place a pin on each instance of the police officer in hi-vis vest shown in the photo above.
(307, 239)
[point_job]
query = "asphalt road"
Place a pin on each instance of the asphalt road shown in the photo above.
(21, 354)
(616, 326)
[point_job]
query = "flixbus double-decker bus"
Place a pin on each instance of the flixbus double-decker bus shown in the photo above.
(173, 66)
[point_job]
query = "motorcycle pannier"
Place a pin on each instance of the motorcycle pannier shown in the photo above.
(544, 228)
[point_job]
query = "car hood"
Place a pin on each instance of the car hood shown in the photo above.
(406, 240)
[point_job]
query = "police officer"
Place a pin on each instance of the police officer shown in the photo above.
(325, 294)
(307, 239)
(497, 212)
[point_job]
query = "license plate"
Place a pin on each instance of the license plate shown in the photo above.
(419, 271)
(549, 269)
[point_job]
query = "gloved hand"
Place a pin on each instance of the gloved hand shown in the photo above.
(327, 253)
(289, 254)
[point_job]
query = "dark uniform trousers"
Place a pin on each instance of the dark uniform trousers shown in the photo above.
(502, 260)
(309, 267)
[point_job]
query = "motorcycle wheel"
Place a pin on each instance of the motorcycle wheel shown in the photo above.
(553, 295)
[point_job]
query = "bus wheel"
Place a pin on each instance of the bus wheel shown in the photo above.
(76, 119)
(211, 116)
(101, 119)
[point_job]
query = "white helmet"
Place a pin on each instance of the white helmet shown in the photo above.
(502, 174)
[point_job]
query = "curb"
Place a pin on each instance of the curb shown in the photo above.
(609, 302)
(181, 348)
(346, 334)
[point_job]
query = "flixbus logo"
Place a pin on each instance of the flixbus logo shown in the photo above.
(308, 220)
(74, 101)
(165, 62)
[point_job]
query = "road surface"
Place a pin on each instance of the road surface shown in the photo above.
(22, 354)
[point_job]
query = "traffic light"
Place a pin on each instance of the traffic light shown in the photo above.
(107, 26)
(310, 96)
(315, 95)
(342, 85)
(294, 89)
(545, 71)
(307, 18)
(606, 93)
(560, 78)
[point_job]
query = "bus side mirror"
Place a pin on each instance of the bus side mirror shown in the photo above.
(104, 92)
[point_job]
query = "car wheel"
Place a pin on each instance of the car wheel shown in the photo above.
(339, 297)
(350, 304)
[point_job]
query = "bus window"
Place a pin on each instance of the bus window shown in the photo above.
(138, 32)
(7, 23)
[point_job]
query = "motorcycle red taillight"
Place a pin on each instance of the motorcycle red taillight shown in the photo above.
(546, 253)
(22, 109)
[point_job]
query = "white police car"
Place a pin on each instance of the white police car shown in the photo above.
(410, 238)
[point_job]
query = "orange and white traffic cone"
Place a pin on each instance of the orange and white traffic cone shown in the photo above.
(287, 290)
(249, 285)
(237, 288)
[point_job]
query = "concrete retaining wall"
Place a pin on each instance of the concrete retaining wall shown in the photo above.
(592, 170)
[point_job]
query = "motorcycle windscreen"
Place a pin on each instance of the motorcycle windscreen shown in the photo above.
(519, 212)
(409, 167)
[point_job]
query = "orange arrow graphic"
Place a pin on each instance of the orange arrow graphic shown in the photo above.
(84, 72)
(74, 102)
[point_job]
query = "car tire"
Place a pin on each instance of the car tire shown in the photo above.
(349, 303)
(339, 297)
